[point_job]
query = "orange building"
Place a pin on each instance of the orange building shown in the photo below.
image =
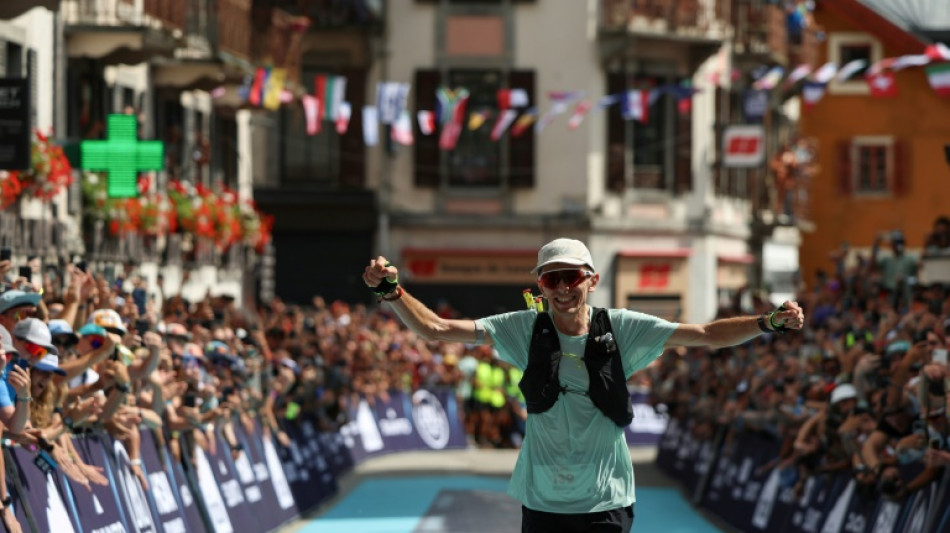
(881, 164)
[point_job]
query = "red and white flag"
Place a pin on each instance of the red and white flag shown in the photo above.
(882, 84)
(453, 128)
(426, 122)
(344, 111)
(508, 98)
(524, 122)
(938, 52)
(580, 111)
(797, 74)
(402, 129)
(850, 69)
(939, 78)
(505, 118)
(311, 112)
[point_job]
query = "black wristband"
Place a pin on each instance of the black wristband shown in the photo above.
(385, 287)
(761, 322)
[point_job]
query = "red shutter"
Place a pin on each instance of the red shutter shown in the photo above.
(521, 148)
(352, 145)
(616, 136)
(845, 177)
(900, 179)
(425, 150)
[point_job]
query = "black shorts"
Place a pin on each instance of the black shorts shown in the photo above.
(613, 521)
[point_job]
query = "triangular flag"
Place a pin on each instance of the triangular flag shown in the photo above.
(826, 73)
(524, 122)
(561, 101)
(580, 110)
(508, 98)
(370, 125)
(312, 113)
(938, 52)
(939, 78)
(452, 129)
(477, 118)
(770, 79)
(812, 93)
(797, 74)
(505, 119)
(635, 105)
(401, 131)
(257, 87)
(911, 60)
(426, 122)
(344, 110)
(391, 100)
(882, 85)
(850, 69)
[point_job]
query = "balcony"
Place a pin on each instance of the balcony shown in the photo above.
(117, 31)
(277, 38)
(645, 29)
(14, 8)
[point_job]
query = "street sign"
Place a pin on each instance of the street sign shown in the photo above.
(743, 146)
(14, 124)
(122, 155)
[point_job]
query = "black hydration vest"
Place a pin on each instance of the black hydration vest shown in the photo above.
(608, 386)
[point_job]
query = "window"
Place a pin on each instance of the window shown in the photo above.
(873, 167)
(477, 162)
(844, 47)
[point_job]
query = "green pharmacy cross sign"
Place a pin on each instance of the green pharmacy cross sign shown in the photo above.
(122, 155)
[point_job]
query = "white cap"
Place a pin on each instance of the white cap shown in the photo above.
(567, 251)
(845, 391)
(35, 330)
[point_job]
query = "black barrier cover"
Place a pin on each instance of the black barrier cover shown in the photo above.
(42, 495)
(276, 496)
(96, 509)
(167, 507)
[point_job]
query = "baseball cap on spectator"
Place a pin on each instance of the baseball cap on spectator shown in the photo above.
(844, 391)
(898, 347)
(291, 364)
(217, 349)
(49, 363)
(16, 298)
(568, 251)
(61, 328)
(177, 331)
(110, 320)
(92, 329)
(34, 330)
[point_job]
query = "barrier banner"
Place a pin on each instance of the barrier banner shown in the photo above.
(647, 425)
(339, 459)
(132, 499)
(942, 519)
(166, 506)
(668, 446)
(212, 500)
(317, 457)
(186, 496)
(298, 470)
(276, 497)
(43, 496)
(737, 477)
(97, 509)
(239, 465)
(218, 461)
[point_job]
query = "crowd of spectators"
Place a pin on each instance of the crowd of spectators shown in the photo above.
(862, 389)
(82, 353)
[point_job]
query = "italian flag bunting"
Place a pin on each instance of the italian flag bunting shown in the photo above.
(939, 77)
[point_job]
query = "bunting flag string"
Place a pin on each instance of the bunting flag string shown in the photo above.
(938, 76)
(344, 111)
(505, 118)
(580, 110)
(426, 121)
(524, 122)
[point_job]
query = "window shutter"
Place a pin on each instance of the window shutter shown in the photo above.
(901, 172)
(352, 154)
(521, 149)
(683, 158)
(616, 136)
(426, 147)
(845, 177)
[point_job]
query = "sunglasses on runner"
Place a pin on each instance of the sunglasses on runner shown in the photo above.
(571, 277)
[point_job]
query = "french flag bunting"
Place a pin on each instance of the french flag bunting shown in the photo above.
(391, 97)
(505, 118)
(344, 112)
(812, 93)
(580, 111)
(312, 113)
(636, 105)
(426, 122)
(401, 131)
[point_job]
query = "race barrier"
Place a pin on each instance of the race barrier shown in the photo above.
(260, 488)
(731, 479)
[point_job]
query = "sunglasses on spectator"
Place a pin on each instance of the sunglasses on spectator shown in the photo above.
(35, 350)
(571, 277)
(96, 341)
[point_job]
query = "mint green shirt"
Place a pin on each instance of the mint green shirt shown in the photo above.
(574, 459)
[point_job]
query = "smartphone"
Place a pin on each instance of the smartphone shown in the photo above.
(22, 363)
(940, 355)
(81, 265)
(142, 325)
(935, 444)
(189, 400)
(6, 254)
(25, 272)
